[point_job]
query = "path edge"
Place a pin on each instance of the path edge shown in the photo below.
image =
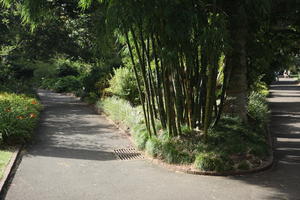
(178, 168)
(9, 169)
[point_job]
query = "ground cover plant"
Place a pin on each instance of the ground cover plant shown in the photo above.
(231, 145)
(18, 118)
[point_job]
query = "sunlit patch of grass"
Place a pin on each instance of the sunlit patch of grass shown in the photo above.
(5, 156)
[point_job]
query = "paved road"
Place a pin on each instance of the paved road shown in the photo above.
(72, 159)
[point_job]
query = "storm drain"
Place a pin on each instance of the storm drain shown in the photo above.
(128, 154)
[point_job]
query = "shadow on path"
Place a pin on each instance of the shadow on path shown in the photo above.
(70, 129)
(66, 160)
(285, 129)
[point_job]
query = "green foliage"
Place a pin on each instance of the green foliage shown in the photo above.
(67, 70)
(258, 108)
(92, 98)
(260, 87)
(244, 165)
(48, 83)
(96, 80)
(18, 118)
(153, 147)
(168, 150)
(213, 162)
(123, 84)
(67, 84)
(44, 70)
(140, 138)
(120, 110)
(230, 138)
(259, 150)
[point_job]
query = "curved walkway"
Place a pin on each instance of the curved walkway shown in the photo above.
(72, 158)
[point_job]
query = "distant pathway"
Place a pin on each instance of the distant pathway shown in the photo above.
(72, 159)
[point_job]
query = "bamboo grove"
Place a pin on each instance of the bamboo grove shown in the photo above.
(189, 57)
(176, 59)
(183, 54)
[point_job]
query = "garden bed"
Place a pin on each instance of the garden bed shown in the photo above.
(229, 148)
(18, 118)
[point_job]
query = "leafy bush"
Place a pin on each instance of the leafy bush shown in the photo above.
(19, 87)
(67, 84)
(121, 110)
(213, 162)
(44, 70)
(258, 108)
(234, 137)
(244, 165)
(153, 147)
(260, 87)
(67, 70)
(226, 145)
(123, 84)
(48, 83)
(18, 117)
(91, 98)
(140, 138)
(96, 80)
(22, 71)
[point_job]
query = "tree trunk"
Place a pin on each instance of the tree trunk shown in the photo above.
(236, 100)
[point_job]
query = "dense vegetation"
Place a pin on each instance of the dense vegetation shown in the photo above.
(189, 78)
(19, 115)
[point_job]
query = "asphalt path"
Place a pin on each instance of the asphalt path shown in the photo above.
(72, 159)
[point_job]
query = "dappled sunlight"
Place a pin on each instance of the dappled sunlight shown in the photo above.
(69, 129)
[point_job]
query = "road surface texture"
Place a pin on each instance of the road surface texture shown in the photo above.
(72, 159)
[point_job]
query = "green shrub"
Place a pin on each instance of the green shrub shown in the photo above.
(153, 147)
(243, 165)
(67, 84)
(259, 150)
(91, 98)
(48, 83)
(121, 110)
(65, 69)
(260, 87)
(18, 118)
(258, 108)
(96, 80)
(230, 140)
(169, 152)
(44, 70)
(22, 70)
(140, 138)
(123, 84)
(213, 162)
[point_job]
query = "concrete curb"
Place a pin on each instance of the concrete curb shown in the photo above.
(9, 168)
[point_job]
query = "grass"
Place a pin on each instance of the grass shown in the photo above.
(5, 156)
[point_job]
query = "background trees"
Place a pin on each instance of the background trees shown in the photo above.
(177, 57)
(195, 63)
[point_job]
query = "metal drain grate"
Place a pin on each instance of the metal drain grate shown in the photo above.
(128, 154)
